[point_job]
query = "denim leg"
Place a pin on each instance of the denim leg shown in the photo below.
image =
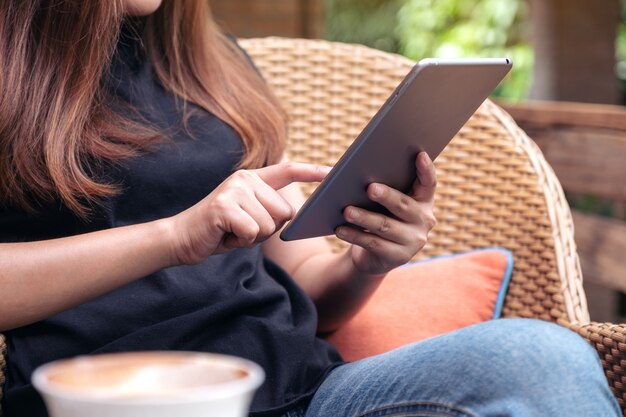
(508, 367)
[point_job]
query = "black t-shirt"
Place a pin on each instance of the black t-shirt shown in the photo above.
(237, 303)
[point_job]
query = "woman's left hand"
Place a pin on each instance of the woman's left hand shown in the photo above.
(381, 243)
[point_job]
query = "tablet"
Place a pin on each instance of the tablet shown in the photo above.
(423, 113)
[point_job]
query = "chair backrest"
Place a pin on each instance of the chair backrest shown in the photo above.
(494, 186)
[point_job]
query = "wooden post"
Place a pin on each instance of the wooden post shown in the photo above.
(574, 44)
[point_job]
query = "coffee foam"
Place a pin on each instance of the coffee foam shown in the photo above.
(142, 375)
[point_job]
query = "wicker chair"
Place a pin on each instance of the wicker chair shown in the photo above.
(495, 187)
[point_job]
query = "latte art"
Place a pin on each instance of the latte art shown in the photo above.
(146, 376)
(155, 384)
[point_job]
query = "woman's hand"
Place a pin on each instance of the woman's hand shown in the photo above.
(242, 211)
(381, 243)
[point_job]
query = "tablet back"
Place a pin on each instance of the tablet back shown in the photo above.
(423, 114)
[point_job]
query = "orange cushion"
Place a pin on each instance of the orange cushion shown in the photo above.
(428, 298)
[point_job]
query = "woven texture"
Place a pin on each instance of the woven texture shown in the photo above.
(495, 188)
(610, 342)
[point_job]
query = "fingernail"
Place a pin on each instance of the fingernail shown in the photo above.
(377, 190)
(340, 231)
(352, 214)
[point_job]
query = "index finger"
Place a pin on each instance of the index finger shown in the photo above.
(280, 175)
(426, 182)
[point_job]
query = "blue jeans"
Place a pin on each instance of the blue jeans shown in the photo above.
(509, 367)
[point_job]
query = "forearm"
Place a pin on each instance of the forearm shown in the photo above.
(39, 279)
(336, 287)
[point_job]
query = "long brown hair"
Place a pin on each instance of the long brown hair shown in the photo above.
(58, 126)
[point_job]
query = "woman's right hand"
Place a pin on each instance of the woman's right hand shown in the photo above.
(242, 211)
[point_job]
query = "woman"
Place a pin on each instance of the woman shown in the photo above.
(142, 190)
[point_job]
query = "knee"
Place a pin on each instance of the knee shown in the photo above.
(535, 349)
(550, 341)
(539, 367)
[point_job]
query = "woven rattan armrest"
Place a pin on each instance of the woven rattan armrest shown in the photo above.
(609, 340)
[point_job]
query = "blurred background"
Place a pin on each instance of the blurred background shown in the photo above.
(567, 90)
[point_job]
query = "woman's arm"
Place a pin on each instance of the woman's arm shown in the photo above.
(39, 279)
(340, 284)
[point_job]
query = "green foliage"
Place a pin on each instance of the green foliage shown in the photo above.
(621, 52)
(368, 22)
(469, 28)
(591, 204)
(439, 28)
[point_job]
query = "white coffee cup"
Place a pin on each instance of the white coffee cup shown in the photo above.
(155, 384)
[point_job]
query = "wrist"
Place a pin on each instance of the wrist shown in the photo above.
(165, 231)
(356, 271)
